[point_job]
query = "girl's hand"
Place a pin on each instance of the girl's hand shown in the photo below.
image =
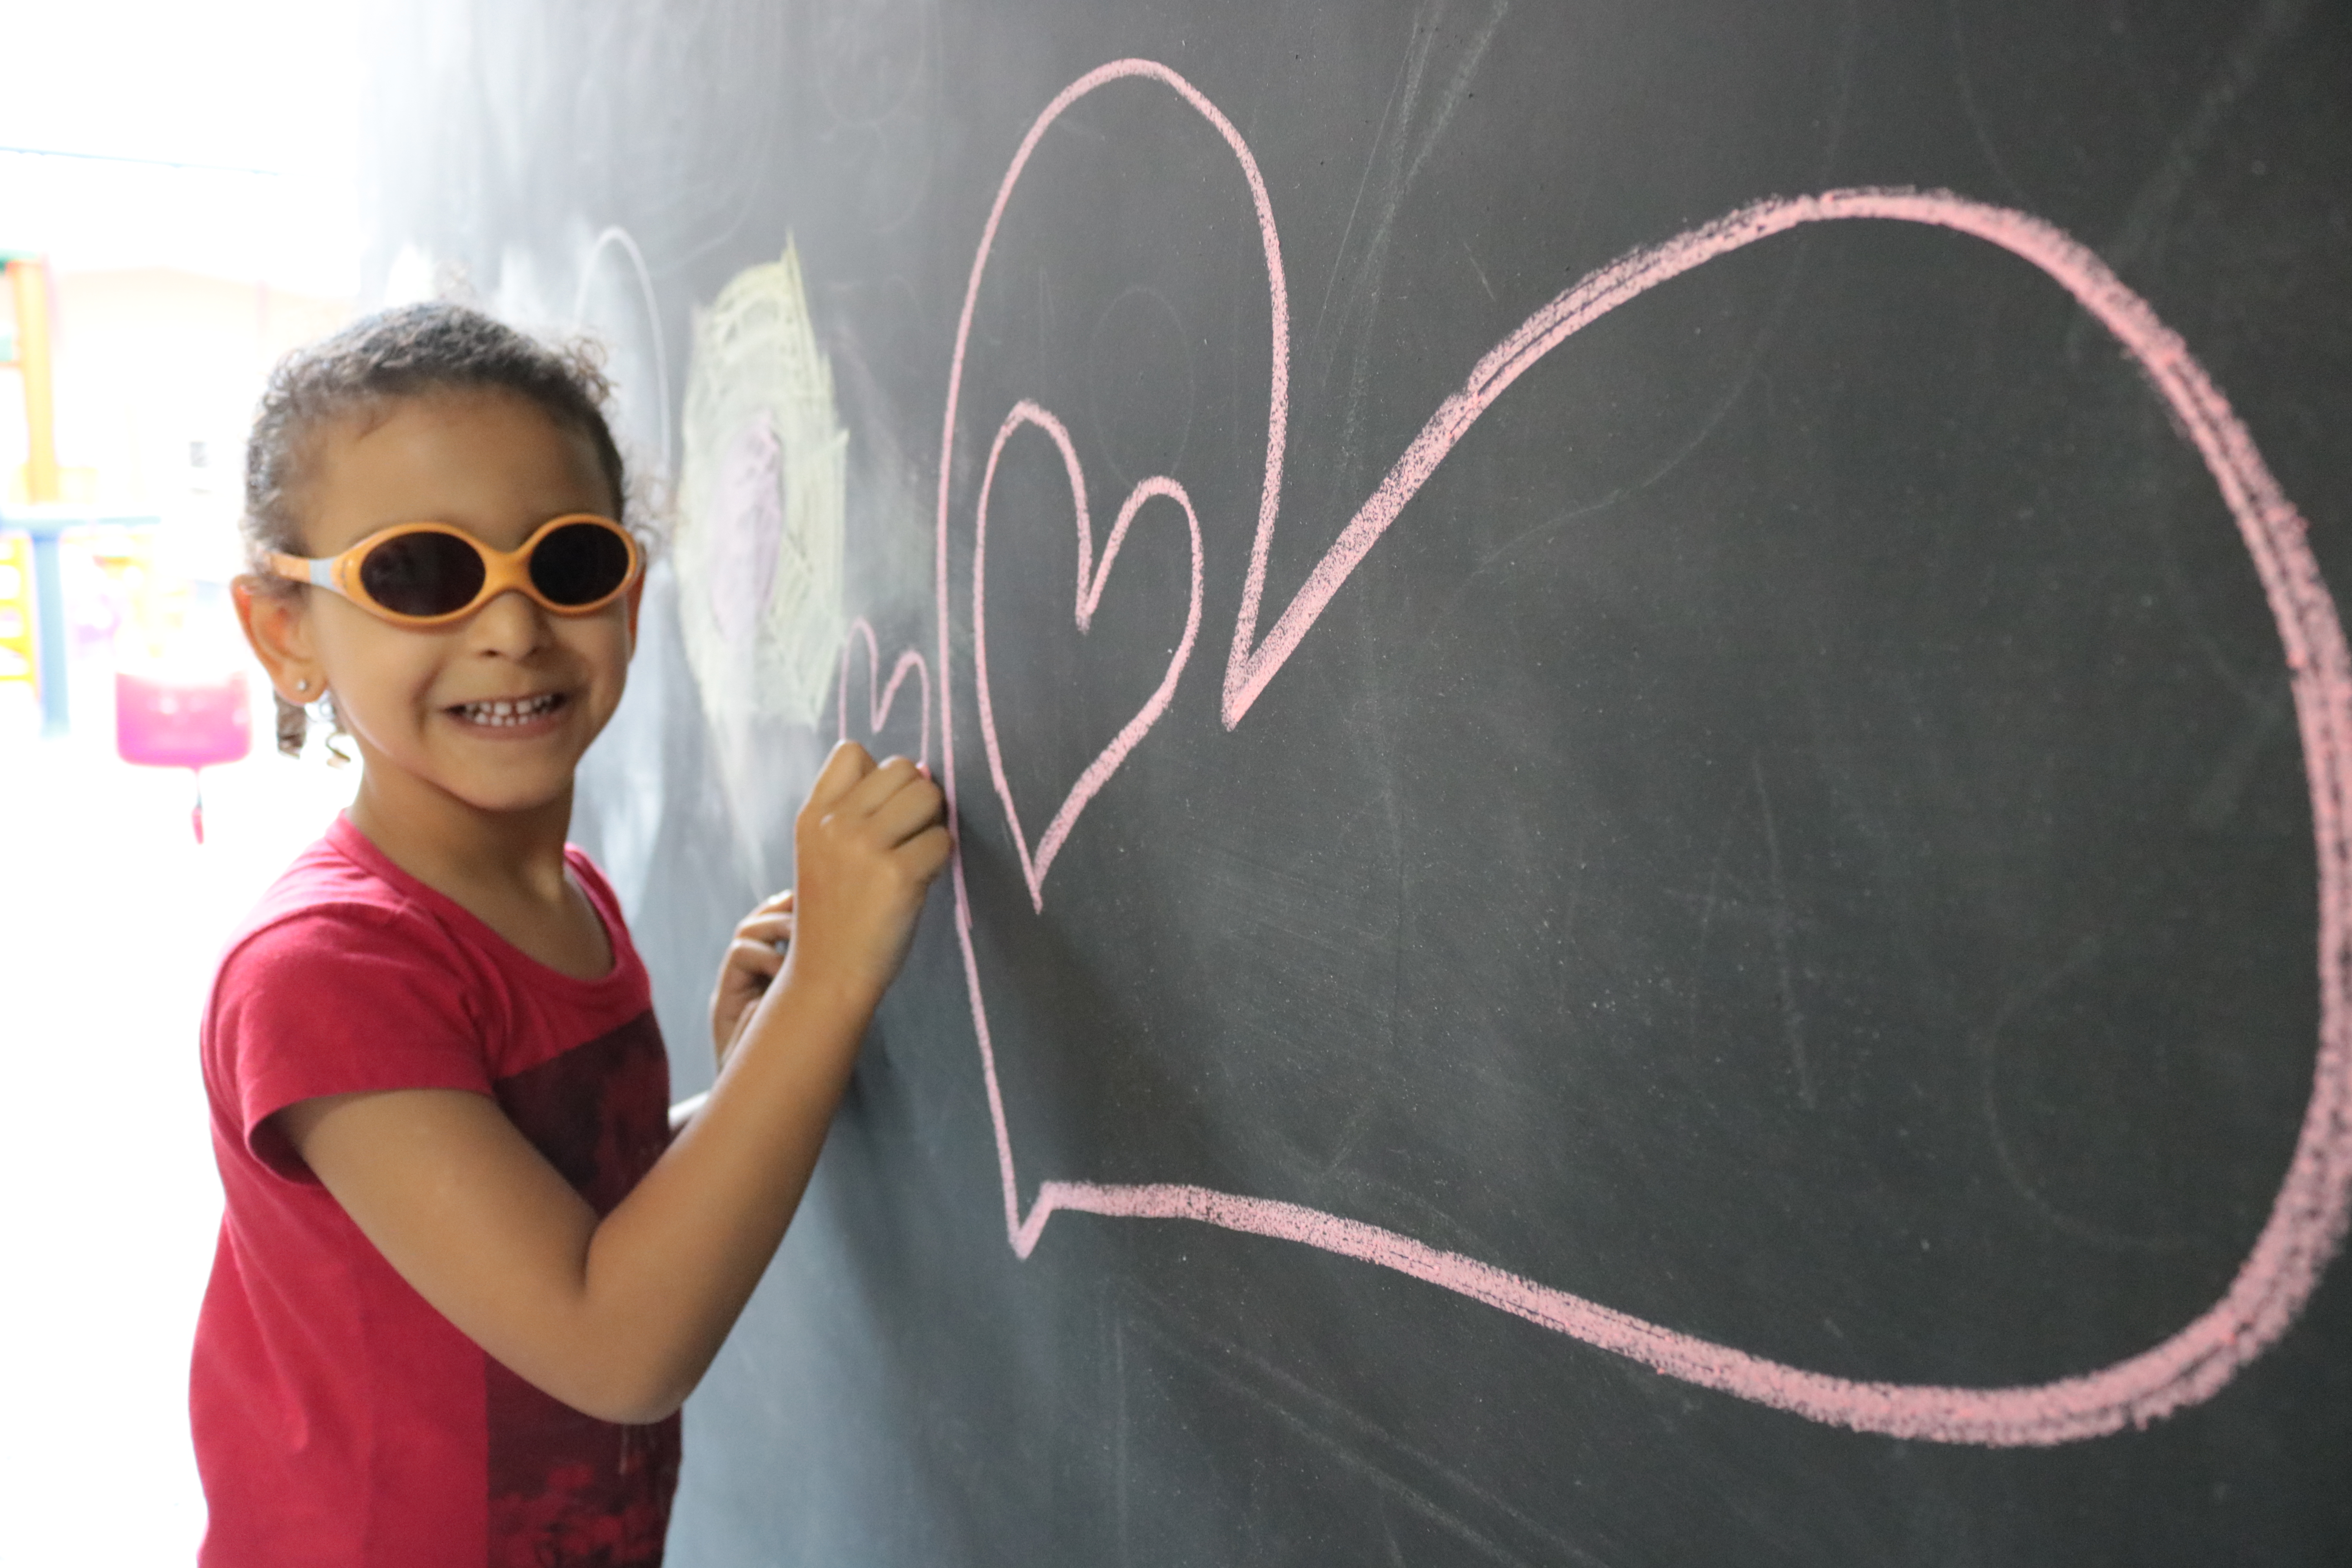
(753, 961)
(866, 848)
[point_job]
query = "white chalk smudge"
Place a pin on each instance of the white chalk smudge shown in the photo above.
(760, 488)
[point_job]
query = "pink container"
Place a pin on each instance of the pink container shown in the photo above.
(176, 724)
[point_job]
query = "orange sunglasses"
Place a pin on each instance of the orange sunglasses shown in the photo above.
(429, 574)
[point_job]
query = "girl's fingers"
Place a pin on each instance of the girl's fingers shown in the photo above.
(926, 851)
(878, 787)
(760, 957)
(774, 902)
(912, 809)
(766, 927)
(848, 766)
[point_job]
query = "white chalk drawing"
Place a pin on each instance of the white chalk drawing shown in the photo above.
(761, 482)
(621, 243)
(621, 776)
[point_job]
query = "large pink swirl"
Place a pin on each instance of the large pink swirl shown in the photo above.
(2306, 1221)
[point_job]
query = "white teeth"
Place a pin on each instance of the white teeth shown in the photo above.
(506, 712)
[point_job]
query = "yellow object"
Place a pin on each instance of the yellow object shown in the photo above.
(76, 487)
(16, 630)
(29, 282)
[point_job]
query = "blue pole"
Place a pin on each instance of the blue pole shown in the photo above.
(49, 615)
(46, 525)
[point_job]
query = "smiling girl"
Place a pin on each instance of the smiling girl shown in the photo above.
(466, 1276)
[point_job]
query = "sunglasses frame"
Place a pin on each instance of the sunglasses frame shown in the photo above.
(501, 570)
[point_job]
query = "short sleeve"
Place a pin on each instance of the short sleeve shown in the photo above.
(340, 1000)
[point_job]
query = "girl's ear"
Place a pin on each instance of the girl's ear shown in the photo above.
(637, 598)
(279, 635)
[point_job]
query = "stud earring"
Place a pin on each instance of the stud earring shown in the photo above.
(303, 687)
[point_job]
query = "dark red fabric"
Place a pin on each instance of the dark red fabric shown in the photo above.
(339, 1419)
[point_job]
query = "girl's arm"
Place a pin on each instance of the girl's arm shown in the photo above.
(619, 1318)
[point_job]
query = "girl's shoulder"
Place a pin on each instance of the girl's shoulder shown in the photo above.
(340, 905)
(343, 980)
(343, 916)
(341, 875)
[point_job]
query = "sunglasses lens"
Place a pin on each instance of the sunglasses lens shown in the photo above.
(422, 574)
(579, 563)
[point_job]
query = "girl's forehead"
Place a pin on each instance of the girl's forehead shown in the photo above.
(490, 461)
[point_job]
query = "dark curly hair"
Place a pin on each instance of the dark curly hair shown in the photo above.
(410, 351)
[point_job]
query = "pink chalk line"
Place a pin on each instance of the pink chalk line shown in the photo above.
(1091, 579)
(2307, 1220)
(877, 705)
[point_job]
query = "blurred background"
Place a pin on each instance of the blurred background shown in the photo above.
(177, 208)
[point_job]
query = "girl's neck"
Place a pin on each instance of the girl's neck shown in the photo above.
(478, 857)
(506, 869)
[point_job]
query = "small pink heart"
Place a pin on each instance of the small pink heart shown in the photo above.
(1091, 578)
(878, 696)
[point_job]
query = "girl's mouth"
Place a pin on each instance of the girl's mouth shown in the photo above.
(505, 714)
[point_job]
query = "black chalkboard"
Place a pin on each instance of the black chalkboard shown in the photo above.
(1665, 876)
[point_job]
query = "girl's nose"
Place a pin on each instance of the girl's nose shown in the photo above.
(511, 625)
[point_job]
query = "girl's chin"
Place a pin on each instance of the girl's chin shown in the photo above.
(511, 797)
(513, 778)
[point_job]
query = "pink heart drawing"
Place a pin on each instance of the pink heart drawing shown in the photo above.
(880, 697)
(2308, 1219)
(1091, 578)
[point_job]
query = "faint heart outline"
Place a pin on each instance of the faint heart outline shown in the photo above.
(2307, 1220)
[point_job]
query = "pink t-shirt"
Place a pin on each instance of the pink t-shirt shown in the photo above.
(339, 1419)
